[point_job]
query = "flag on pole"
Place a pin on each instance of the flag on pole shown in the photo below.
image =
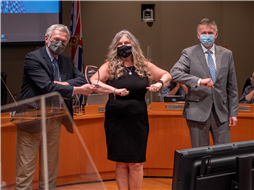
(76, 38)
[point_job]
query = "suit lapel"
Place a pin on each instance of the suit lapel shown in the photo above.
(47, 63)
(218, 57)
(60, 63)
(61, 68)
(202, 59)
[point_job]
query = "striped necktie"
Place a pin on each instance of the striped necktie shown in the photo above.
(56, 70)
(56, 100)
(211, 66)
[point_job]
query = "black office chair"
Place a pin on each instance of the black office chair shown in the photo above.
(3, 88)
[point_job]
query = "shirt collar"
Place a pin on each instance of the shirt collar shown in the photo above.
(50, 56)
(204, 49)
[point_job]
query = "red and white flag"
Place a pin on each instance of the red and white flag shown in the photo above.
(76, 39)
(76, 36)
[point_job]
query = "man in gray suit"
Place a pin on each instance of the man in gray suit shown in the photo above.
(212, 100)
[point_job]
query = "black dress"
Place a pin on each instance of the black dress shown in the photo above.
(126, 120)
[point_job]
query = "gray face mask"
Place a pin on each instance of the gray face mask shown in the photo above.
(56, 47)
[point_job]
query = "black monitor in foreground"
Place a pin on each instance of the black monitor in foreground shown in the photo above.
(219, 167)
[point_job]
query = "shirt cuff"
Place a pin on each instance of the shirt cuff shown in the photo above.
(198, 84)
(72, 91)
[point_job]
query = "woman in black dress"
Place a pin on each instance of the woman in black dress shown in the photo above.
(126, 74)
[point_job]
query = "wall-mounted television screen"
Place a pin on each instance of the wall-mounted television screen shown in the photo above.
(218, 167)
(27, 21)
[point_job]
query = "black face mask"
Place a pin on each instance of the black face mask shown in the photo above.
(56, 47)
(124, 51)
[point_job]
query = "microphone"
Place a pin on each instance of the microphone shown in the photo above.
(14, 99)
(12, 113)
(22, 116)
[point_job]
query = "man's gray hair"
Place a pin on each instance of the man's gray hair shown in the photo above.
(61, 27)
(207, 21)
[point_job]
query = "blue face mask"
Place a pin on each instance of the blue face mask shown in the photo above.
(207, 40)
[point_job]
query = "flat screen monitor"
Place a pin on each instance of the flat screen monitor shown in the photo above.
(174, 98)
(27, 21)
(212, 167)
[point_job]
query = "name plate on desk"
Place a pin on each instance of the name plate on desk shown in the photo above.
(102, 109)
(94, 109)
(174, 107)
(244, 108)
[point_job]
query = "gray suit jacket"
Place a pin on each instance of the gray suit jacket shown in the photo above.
(192, 66)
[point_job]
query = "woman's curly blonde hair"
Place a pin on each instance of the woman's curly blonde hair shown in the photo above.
(115, 63)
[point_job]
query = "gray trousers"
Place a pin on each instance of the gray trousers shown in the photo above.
(27, 147)
(199, 131)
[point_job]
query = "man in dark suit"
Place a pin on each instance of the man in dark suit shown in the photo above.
(212, 109)
(46, 70)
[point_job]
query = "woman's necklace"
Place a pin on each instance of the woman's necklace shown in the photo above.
(130, 73)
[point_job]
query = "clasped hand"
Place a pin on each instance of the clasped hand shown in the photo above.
(207, 82)
(122, 92)
(232, 121)
(154, 87)
(88, 88)
(85, 89)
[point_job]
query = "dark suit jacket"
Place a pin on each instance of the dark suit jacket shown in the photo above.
(192, 66)
(38, 77)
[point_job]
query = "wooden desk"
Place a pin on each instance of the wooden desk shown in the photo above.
(168, 132)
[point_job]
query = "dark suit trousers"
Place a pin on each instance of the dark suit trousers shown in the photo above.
(199, 131)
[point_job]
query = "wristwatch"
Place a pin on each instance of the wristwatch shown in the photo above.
(160, 81)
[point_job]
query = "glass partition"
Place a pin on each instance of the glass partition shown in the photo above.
(37, 135)
(151, 96)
